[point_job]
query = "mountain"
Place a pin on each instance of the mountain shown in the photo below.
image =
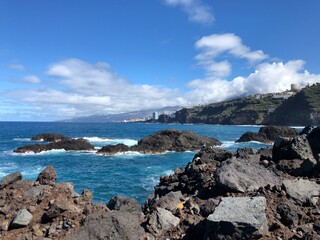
(301, 109)
(245, 110)
(130, 116)
(287, 108)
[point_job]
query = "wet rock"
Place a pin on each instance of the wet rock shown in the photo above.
(242, 175)
(173, 140)
(10, 179)
(68, 145)
(49, 137)
(47, 176)
(238, 218)
(22, 219)
(304, 191)
(113, 149)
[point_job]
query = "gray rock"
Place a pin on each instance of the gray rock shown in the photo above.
(9, 179)
(161, 221)
(238, 218)
(34, 192)
(242, 175)
(304, 191)
(22, 219)
(110, 225)
(169, 201)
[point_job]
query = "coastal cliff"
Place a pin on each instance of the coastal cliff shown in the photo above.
(287, 108)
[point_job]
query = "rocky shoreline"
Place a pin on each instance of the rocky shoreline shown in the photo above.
(270, 193)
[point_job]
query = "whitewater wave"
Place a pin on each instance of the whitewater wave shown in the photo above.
(233, 144)
(21, 139)
(126, 141)
(53, 151)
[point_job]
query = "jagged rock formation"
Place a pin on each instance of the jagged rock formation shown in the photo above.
(165, 140)
(56, 141)
(268, 134)
(192, 203)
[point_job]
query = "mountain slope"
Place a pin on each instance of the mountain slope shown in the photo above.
(247, 110)
(301, 109)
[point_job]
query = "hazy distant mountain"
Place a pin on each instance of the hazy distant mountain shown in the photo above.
(124, 116)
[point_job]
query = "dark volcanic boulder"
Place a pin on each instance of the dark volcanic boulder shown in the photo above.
(50, 137)
(113, 149)
(173, 140)
(47, 176)
(268, 134)
(68, 145)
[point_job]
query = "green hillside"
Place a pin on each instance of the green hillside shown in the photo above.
(301, 109)
(247, 110)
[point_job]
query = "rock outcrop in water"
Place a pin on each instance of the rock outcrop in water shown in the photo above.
(218, 195)
(162, 141)
(268, 134)
(56, 141)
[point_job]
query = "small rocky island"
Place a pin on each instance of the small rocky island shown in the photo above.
(157, 143)
(270, 193)
(55, 141)
(162, 141)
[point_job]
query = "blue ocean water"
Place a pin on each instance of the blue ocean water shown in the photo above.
(133, 175)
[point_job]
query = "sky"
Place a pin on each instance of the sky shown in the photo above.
(64, 59)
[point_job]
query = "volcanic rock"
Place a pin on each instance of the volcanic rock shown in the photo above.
(68, 145)
(161, 221)
(304, 191)
(10, 179)
(113, 149)
(47, 176)
(122, 203)
(173, 140)
(110, 225)
(50, 137)
(238, 218)
(242, 175)
(22, 219)
(268, 134)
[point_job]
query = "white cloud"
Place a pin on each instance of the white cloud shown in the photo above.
(82, 89)
(216, 44)
(267, 78)
(31, 79)
(18, 67)
(197, 10)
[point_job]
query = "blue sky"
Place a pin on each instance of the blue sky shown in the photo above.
(61, 59)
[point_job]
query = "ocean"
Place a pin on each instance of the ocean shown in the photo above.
(131, 174)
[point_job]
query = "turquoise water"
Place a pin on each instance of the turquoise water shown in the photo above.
(133, 175)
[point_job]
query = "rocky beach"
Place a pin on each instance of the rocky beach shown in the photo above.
(268, 193)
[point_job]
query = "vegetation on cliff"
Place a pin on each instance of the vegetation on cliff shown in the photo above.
(302, 108)
(247, 110)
